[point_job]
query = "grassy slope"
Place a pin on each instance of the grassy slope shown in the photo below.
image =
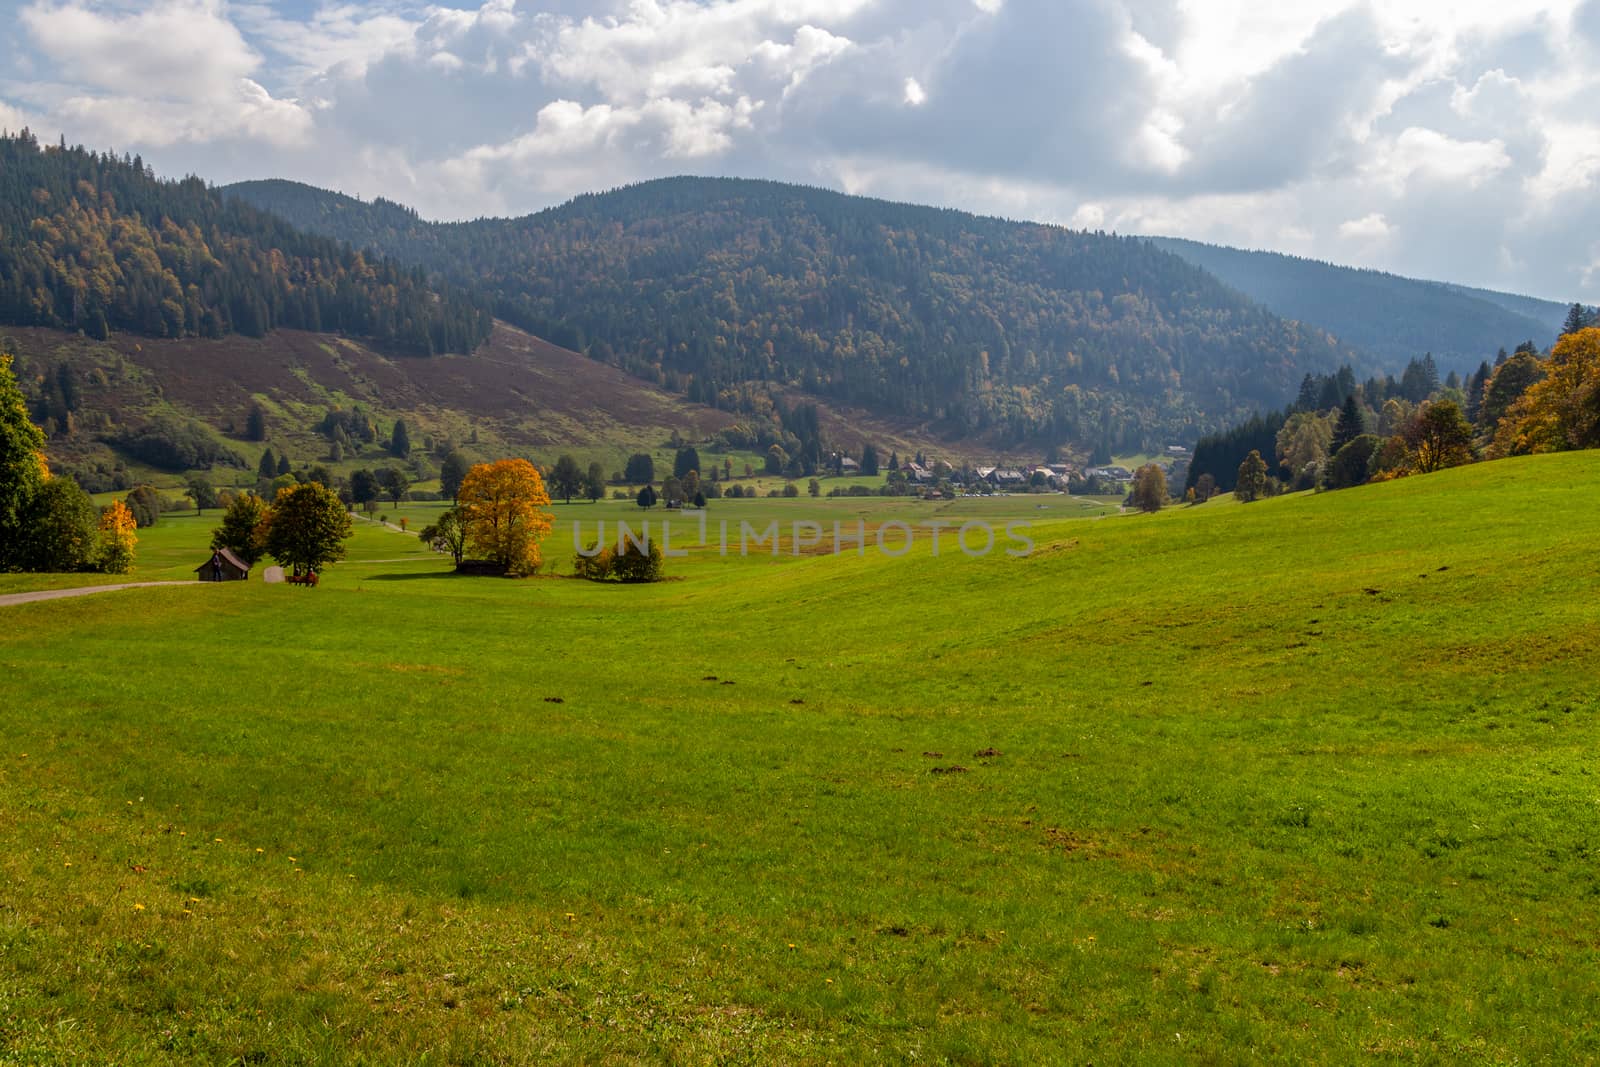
(1313, 776)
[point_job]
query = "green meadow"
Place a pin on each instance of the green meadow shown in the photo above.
(1311, 779)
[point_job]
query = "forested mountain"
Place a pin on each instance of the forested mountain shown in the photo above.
(718, 288)
(1392, 318)
(97, 243)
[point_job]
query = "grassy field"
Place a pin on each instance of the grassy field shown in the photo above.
(1311, 779)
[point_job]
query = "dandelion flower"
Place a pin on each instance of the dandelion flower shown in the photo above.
(260, 850)
(219, 840)
(138, 907)
(69, 863)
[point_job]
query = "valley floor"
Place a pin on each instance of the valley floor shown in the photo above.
(1309, 779)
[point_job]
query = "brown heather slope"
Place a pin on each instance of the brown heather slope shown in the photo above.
(516, 395)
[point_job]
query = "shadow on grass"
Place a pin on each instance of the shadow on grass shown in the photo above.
(413, 576)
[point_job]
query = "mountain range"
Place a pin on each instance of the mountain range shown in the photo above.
(713, 288)
(727, 302)
(1391, 318)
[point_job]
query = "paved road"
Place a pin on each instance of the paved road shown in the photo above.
(82, 590)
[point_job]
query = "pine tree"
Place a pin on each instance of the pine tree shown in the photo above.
(1475, 386)
(1577, 319)
(1310, 391)
(869, 461)
(400, 440)
(1352, 424)
(268, 467)
(255, 427)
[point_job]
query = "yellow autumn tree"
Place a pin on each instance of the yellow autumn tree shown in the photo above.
(117, 538)
(500, 507)
(1561, 412)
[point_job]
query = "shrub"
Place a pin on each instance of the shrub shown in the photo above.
(634, 564)
(596, 568)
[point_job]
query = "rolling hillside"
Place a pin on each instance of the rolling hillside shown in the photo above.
(719, 289)
(1309, 780)
(1393, 318)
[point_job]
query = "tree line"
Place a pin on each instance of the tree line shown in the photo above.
(1339, 433)
(95, 242)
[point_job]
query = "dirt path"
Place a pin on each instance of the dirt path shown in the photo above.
(83, 590)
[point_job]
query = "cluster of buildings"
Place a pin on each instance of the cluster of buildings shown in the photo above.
(1111, 478)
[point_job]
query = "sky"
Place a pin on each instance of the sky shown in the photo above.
(1458, 141)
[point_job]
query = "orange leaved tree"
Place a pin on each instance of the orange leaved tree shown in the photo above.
(117, 538)
(1563, 411)
(500, 506)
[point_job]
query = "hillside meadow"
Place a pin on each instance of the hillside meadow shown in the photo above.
(1310, 779)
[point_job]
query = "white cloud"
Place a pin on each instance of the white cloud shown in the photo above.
(179, 71)
(1457, 143)
(1373, 227)
(1433, 156)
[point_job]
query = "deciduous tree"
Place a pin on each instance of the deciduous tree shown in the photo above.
(1438, 436)
(1252, 482)
(394, 483)
(145, 504)
(61, 529)
(447, 534)
(364, 487)
(306, 528)
(240, 532)
(117, 538)
(566, 479)
(451, 472)
(502, 508)
(1150, 488)
(1562, 411)
(22, 467)
(1352, 464)
(594, 483)
(202, 493)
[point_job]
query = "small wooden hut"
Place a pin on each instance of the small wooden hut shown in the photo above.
(223, 566)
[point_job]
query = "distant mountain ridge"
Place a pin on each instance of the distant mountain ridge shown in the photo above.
(98, 243)
(719, 288)
(1391, 317)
